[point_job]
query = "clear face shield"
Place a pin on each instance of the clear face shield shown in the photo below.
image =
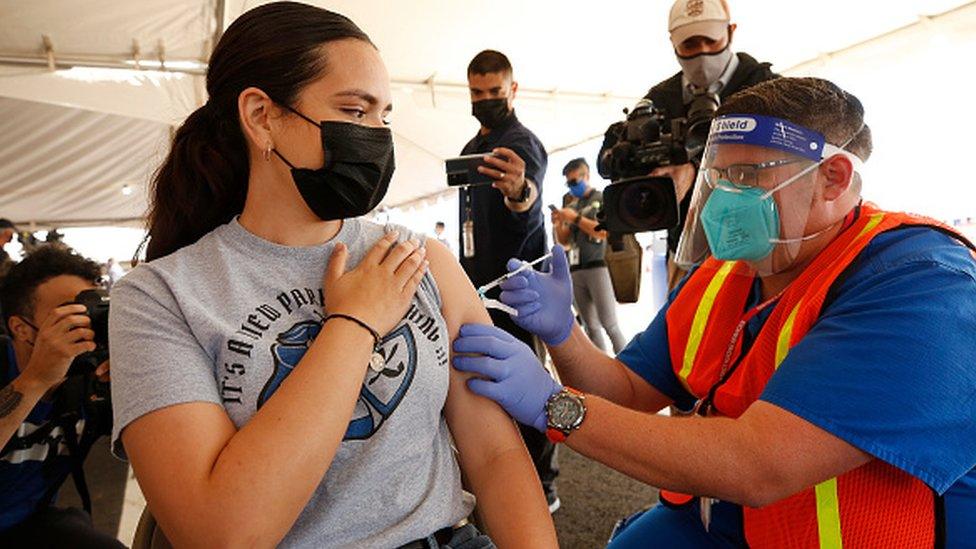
(754, 194)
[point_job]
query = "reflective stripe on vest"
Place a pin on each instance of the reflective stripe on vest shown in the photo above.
(828, 515)
(701, 317)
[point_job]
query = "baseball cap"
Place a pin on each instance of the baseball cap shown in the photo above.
(7, 224)
(697, 18)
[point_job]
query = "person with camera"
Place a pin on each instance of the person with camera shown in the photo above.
(505, 220)
(701, 35)
(575, 227)
(821, 350)
(280, 364)
(46, 427)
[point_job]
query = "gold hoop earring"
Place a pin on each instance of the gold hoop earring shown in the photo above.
(267, 152)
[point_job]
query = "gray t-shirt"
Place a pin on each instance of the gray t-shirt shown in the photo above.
(226, 319)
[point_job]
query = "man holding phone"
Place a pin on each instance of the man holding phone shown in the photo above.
(504, 219)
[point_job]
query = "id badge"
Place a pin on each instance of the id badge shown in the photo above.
(467, 238)
(574, 256)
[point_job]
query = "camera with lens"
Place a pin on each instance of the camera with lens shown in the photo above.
(635, 202)
(96, 304)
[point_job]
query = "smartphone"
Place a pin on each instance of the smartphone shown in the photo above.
(553, 208)
(463, 170)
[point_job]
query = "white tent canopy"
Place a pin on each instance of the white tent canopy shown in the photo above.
(72, 138)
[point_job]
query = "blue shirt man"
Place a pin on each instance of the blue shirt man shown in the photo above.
(48, 419)
(920, 420)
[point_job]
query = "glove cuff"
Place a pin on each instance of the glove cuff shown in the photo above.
(563, 334)
(541, 422)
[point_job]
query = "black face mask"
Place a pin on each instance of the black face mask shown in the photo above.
(491, 112)
(358, 167)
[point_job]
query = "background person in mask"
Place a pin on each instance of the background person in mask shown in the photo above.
(505, 220)
(280, 367)
(823, 352)
(575, 228)
(701, 35)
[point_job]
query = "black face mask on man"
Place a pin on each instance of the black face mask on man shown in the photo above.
(358, 168)
(491, 112)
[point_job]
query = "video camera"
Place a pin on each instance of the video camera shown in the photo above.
(635, 202)
(96, 307)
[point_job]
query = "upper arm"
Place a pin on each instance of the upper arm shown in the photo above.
(787, 454)
(476, 422)
(173, 451)
(168, 416)
(157, 361)
(648, 358)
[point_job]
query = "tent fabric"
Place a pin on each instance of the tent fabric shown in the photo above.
(578, 64)
(58, 160)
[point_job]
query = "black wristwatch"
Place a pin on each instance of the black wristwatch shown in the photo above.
(526, 192)
(565, 411)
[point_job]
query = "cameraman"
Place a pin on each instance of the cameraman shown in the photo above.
(45, 432)
(701, 34)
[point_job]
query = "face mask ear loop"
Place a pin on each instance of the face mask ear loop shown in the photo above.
(790, 181)
(283, 159)
(307, 119)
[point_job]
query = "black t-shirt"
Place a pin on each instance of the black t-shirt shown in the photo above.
(499, 233)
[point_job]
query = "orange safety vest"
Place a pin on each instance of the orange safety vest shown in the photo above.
(875, 505)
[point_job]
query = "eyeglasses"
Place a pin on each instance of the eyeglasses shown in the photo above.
(745, 175)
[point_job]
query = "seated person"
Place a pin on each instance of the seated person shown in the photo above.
(265, 393)
(45, 430)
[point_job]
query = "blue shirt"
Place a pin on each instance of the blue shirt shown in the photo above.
(889, 367)
(28, 475)
(499, 233)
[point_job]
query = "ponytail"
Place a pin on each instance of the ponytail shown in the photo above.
(202, 184)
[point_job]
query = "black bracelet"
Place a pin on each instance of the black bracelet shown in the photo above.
(377, 360)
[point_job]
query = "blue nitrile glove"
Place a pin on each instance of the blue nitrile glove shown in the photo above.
(543, 300)
(513, 376)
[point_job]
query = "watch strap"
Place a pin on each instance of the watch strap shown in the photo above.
(558, 435)
(526, 192)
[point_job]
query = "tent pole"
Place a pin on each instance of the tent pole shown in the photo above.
(220, 12)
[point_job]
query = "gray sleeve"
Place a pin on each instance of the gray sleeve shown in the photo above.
(156, 361)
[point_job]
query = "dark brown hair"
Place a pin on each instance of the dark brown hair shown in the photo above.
(202, 183)
(19, 286)
(576, 164)
(814, 103)
(489, 62)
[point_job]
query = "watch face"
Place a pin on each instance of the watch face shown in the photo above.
(564, 412)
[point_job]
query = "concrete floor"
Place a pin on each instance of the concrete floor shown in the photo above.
(117, 501)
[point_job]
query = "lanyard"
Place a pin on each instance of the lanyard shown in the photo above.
(704, 405)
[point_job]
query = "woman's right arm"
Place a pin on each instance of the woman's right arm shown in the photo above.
(209, 484)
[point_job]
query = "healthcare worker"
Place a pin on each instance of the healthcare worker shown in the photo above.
(822, 350)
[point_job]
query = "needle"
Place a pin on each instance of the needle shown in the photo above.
(484, 289)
